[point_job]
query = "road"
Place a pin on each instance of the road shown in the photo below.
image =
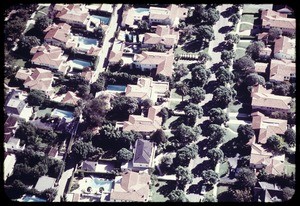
(109, 34)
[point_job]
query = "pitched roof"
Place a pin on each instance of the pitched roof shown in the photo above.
(40, 79)
(260, 67)
(89, 165)
(59, 32)
(116, 53)
(267, 192)
(171, 12)
(133, 186)
(87, 73)
(52, 152)
(73, 12)
(275, 19)
(23, 73)
(47, 54)
(70, 98)
(284, 45)
(164, 35)
(10, 123)
(44, 183)
(262, 98)
(280, 69)
(143, 151)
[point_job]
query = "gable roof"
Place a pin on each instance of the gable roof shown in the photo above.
(73, 12)
(143, 151)
(284, 45)
(87, 73)
(47, 54)
(171, 12)
(59, 32)
(275, 19)
(280, 69)
(40, 79)
(164, 35)
(89, 165)
(52, 152)
(10, 123)
(70, 98)
(260, 67)
(44, 183)
(267, 192)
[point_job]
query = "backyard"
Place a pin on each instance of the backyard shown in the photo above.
(254, 8)
(161, 189)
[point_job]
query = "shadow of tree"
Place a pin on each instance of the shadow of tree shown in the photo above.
(202, 148)
(221, 47)
(181, 105)
(207, 107)
(225, 29)
(204, 129)
(235, 146)
(166, 189)
(205, 165)
(211, 86)
(178, 121)
(228, 12)
(215, 67)
(195, 188)
(224, 197)
(194, 46)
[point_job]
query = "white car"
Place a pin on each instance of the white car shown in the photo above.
(203, 190)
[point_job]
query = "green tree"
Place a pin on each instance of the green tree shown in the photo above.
(254, 49)
(193, 111)
(197, 94)
(99, 33)
(185, 134)
(290, 137)
(241, 195)
(288, 193)
(49, 194)
(234, 18)
(246, 177)
(222, 96)
(166, 163)
(274, 33)
(186, 153)
(84, 90)
(47, 136)
(282, 89)
(159, 136)
(217, 116)
(25, 131)
(200, 75)
(182, 89)
(36, 97)
(209, 198)
(203, 57)
(14, 28)
(183, 176)
(253, 79)
(82, 150)
(143, 25)
(210, 177)
(147, 103)
(224, 76)
(212, 16)
(177, 196)
(227, 56)
(42, 22)
(124, 155)
(205, 33)
(180, 71)
(232, 38)
(245, 133)
(216, 155)
(276, 144)
(123, 106)
(98, 85)
(216, 133)
(243, 66)
(164, 113)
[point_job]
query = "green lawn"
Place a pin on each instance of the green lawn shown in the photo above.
(224, 167)
(233, 108)
(170, 120)
(244, 27)
(239, 53)
(233, 127)
(229, 135)
(20, 62)
(222, 189)
(248, 18)
(243, 44)
(42, 112)
(160, 193)
(253, 8)
(289, 168)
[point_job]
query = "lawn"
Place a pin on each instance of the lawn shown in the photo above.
(224, 168)
(244, 27)
(289, 168)
(233, 127)
(253, 8)
(44, 9)
(243, 44)
(222, 189)
(233, 108)
(42, 112)
(20, 62)
(239, 53)
(229, 135)
(160, 192)
(248, 18)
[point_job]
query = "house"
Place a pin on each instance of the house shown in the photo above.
(264, 127)
(282, 70)
(273, 19)
(285, 48)
(116, 52)
(131, 16)
(263, 100)
(164, 35)
(267, 192)
(144, 152)
(131, 187)
(9, 164)
(146, 88)
(38, 79)
(73, 14)
(87, 73)
(162, 62)
(59, 35)
(49, 56)
(260, 158)
(14, 104)
(260, 67)
(13, 144)
(283, 9)
(167, 16)
(44, 183)
(265, 53)
(89, 166)
(70, 98)
(144, 124)
(53, 152)
(10, 127)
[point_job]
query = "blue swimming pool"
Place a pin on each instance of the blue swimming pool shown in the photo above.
(80, 64)
(33, 198)
(118, 88)
(62, 113)
(104, 19)
(141, 10)
(99, 182)
(87, 41)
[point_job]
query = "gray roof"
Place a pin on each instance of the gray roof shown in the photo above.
(266, 192)
(89, 165)
(44, 183)
(143, 149)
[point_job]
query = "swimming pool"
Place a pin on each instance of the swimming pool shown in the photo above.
(62, 113)
(103, 19)
(79, 64)
(87, 41)
(33, 198)
(99, 182)
(117, 88)
(142, 10)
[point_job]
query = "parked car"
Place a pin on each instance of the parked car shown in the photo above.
(203, 190)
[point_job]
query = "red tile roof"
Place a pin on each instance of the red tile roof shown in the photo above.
(40, 79)
(60, 32)
(47, 54)
(70, 98)
(275, 19)
(164, 35)
(73, 12)
(284, 45)
(279, 69)
(260, 67)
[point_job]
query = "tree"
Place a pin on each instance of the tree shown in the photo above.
(246, 177)
(166, 162)
(234, 18)
(241, 195)
(243, 66)
(217, 116)
(82, 150)
(99, 33)
(94, 111)
(98, 85)
(186, 153)
(276, 144)
(159, 136)
(216, 155)
(200, 75)
(47, 136)
(288, 193)
(180, 71)
(290, 137)
(224, 76)
(216, 133)
(193, 111)
(212, 16)
(210, 177)
(182, 89)
(177, 196)
(209, 198)
(282, 89)
(183, 176)
(36, 97)
(123, 106)
(205, 33)
(222, 96)
(84, 90)
(197, 94)
(143, 25)
(185, 134)
(25, 131)
(245, 132)
(14, 28)
(253, 79)
(203, 57)
(254, 49)
(124, 155)
(147, 103)
(42, 22)
(49, 194)
(274, 33)
(232, 38)
(227, 56)
(164, 113)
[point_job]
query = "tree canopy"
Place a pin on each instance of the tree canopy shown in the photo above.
(274, 33)
(246, 177)
(209, 177)
(245, 132)
(180, 71)
(216, 133)
(200, 75)
(27, 42)
(197, 94)
(124, 155)
(193, 111)
(183, 175)
(185, 134)
(216, 155)
(123, 106)
(253, 79)
(159, 137)
(203, 57)
(227, 56)
(177, 196)
(182, 89)
(186, 153)
(205, 33)
(36, 97)
(82, 150)
(254, 49)
(42, 22)
(224, 76)
(276, 144)
(290, 137)
(217, 116)
(222, 96)
(282, 89)
(243, 66)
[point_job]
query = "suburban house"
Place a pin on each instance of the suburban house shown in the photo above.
(260, 158)
(162, 62)
(87, 73)
(285, 48)
(130, 16)
(260, 68)
(59, 35)
(97, 166)
(38, 79)
(167, 16)
(9, 164)
(263, 100)
(89, 166)
(53, 152)
(73, 14)
(10, 127)
(144, 152)
(146, 88)
(13, 144)
(116, 52)
(131, 187)
(49, 56)
(267, 192)
(44, 183)
(144, 124)
(14, 103)
(273, 19)
(70, 98)
(282, 70)
(264, 127)
(164, 35)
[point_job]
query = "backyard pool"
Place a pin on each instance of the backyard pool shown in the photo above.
(116, 88)
(33, 198)
(62, 113)
(79, 64)
(142, 10)
(87, 41)
(103, 19)
(99, 182)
